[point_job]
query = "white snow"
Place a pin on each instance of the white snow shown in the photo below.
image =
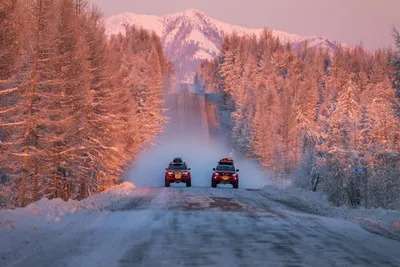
(197, 37)
(117, 24)
(376, 220)
(55, 209)
(201, 54)
(190, 14)
(379, 220)
(239, 226)
(114, 25)
(206, 32)
(226, 28)
(171, 36)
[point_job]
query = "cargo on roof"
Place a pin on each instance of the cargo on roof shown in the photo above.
(226, 161)
(177, 160)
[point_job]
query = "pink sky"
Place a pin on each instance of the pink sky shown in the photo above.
(351, 21)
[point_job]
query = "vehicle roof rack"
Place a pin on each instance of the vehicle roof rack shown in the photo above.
(177, 160)
(226, 161)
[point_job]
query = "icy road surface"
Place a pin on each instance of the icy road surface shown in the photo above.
(181, 226)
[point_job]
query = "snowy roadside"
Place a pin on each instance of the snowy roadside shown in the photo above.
(55, 209)
(378, 221)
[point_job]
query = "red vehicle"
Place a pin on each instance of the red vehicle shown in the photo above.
(178, 172)
(225, 173)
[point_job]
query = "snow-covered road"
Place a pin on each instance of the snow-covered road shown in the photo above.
(181, 226)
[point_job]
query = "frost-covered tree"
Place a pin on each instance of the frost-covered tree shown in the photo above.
(313, 114)
(340, 145)
(69, 115)
(13, 101)
(396, 63)
(244, 110)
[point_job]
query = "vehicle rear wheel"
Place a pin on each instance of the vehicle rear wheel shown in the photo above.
(213, 183)
(236, 184)
(167, 183)
(188, 183)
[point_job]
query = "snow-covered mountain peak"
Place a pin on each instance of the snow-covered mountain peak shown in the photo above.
(190, 17)
(193, 12)
(191, 36)
(118, 24)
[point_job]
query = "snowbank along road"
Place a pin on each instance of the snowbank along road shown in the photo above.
(181, 226)
(199, 226)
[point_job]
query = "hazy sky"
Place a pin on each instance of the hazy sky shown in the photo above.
(351, 21)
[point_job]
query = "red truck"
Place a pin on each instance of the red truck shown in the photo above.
(178, 172)
(225, 173)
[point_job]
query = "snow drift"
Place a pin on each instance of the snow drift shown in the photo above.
(56, 209)
(376, 220)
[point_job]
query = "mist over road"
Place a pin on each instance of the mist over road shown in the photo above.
(192, 133)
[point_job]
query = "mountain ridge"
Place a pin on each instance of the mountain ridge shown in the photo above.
(191, 36)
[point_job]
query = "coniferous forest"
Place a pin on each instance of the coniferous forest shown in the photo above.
(76, 106)
(314, 115)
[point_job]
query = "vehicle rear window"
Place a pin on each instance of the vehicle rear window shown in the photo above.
(178, 167)
(225, 168)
